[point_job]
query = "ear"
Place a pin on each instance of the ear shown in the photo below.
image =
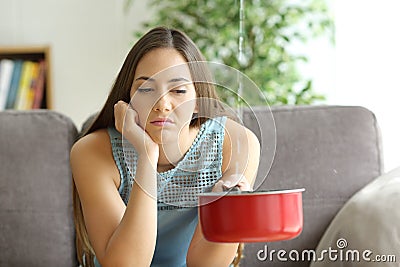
(196, 108)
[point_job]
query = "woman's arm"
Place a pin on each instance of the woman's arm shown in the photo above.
(120, 235)
(241, 155)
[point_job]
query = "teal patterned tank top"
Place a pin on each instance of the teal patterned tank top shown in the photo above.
(177, 189)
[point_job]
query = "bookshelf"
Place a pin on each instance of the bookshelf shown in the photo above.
(35, 55)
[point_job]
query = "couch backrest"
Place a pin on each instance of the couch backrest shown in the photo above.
(36, 219)
(331, 151)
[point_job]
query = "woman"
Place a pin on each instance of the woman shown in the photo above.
(135, 197)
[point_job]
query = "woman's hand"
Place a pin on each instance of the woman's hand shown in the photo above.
(233, 180)
(127, 123)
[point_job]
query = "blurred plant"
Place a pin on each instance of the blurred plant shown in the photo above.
(270, 27)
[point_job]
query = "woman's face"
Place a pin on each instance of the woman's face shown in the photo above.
(163, 94)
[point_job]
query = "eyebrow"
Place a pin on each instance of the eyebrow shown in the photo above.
(144, 78)
(179, 79)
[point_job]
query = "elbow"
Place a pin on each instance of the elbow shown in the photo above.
(109, 262)
(214, 257)
(191, 259)
(203, 263)
(121, 262)
(190, 262)
(197, 261)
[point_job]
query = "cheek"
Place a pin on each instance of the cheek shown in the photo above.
(187, 108)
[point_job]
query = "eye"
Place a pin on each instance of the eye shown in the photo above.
(144, 89)
(180, 91)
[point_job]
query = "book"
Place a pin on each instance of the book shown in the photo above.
(30, 93)
(39, 86)
(6, 72)
(24, 85)
(15, 79)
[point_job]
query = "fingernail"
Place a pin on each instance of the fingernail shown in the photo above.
(227, 183)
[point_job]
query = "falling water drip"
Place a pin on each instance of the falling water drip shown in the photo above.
(241, 57)
(241, 60)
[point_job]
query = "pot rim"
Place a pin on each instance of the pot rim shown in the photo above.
(253, 193)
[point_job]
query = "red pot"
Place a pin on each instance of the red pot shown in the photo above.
(263, 216)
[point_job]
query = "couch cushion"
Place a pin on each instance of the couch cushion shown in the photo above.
(367, 228)
(331, 151)
(36, 216)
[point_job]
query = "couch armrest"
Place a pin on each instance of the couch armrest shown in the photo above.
(36, 216)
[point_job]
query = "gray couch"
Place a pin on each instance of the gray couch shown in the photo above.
(36, 226)
(331, 151)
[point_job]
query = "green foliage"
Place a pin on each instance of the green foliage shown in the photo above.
(269, 27)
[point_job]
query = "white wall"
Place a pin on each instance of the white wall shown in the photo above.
(368, 58)
(90, 39)
(363, 68)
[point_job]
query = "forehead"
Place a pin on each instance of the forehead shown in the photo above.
(162, 63)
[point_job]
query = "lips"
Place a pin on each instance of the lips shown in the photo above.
(161, 121)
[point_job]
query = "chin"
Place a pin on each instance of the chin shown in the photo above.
(163, 138)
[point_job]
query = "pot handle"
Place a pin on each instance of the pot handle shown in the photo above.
(231, 189)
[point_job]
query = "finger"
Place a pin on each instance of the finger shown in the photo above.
(233, 180)
(120, 104)
(119, 108)
(133, 115)
(228, 184)
(119, 114)
(244, 185)
(218, 186)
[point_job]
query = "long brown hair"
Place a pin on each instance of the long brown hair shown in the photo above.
(160, 37)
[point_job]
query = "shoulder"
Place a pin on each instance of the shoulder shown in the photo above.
(239, 138)
(91, 156)
(239, 133)
(91, 144)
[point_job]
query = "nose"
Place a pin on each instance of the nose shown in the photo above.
(163, 103)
